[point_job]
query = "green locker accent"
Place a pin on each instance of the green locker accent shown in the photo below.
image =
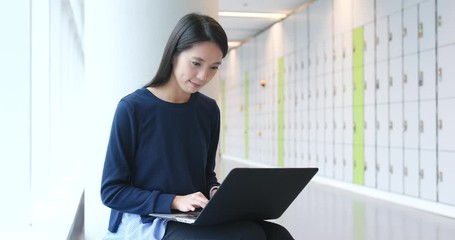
(223, 115)
(358, 106)
(247, 114)
(359, 221)
(281, 111)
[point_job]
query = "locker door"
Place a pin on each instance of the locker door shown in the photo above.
(370, 146)
(446, 178)
(338, 142)
(395, 82)
(396, 147)
(382, 83)
(369, 85)
(427, 75)
(427, 25)
(395, 34)
(410, 78)
(337, 53)
(446, 125)
(446, 72)
(347, 50)
(382, 146)
(410, 146)
(410, 30)
(348, 134)
(369, 43)
(446, 22)
(427, 129)
(328, 55)
(446, 154)
(382, 39)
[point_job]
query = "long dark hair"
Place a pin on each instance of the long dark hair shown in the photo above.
(191, 28)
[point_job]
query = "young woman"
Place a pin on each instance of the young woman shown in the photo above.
(163, 143)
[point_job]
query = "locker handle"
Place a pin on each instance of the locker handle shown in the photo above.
(405, 171)
(391, 169)
(421, 174)
(378, 125)
(440, 176)
(377, 83)
(420, 30)
(404, 32)
(439, 21)
(390, 37)
(440, 74)
(421, 126)
(390, 81)
(420, 79)
(390, 125)
(440, 124)
(405, 126)
(405, 78)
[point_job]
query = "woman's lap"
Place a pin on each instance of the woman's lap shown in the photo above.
(238, 230)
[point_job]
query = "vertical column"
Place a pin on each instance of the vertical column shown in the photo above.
(16, 113)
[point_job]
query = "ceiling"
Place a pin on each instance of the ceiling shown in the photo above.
(240, 29)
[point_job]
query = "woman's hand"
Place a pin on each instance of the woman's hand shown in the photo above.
(189, 202)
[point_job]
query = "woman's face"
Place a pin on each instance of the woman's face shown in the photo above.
(195, 67)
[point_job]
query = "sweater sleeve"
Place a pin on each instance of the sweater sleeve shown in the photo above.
(116, 189)
(211, 161)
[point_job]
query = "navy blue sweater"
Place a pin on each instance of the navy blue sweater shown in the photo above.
(157, 150)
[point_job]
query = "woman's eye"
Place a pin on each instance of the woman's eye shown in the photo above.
(196, 63)
(215, 68)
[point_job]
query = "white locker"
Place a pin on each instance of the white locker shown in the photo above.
(427, 173)
(446, 22)
(382, 39)
(329, 142)
(396, 147)
(370, 145)
(338, 142)
(338, 53)
(410, 30)
(328, 54)
(446, 72)
(382, 83)
(446, 125)
(369, 44)
(348, 164)
(427, 75)
(395, 82)
(446, 178)
(427, 25)
(370, 166)
(410, 78)
(347, 50)
(395, 34)
(411, 172)
(382, 146)
(369, 85)
(363, 12)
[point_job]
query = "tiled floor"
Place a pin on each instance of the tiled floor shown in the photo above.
(323, 212)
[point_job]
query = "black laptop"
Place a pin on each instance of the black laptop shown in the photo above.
(250, 194)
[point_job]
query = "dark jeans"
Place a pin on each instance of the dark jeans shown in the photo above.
(238, 230)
